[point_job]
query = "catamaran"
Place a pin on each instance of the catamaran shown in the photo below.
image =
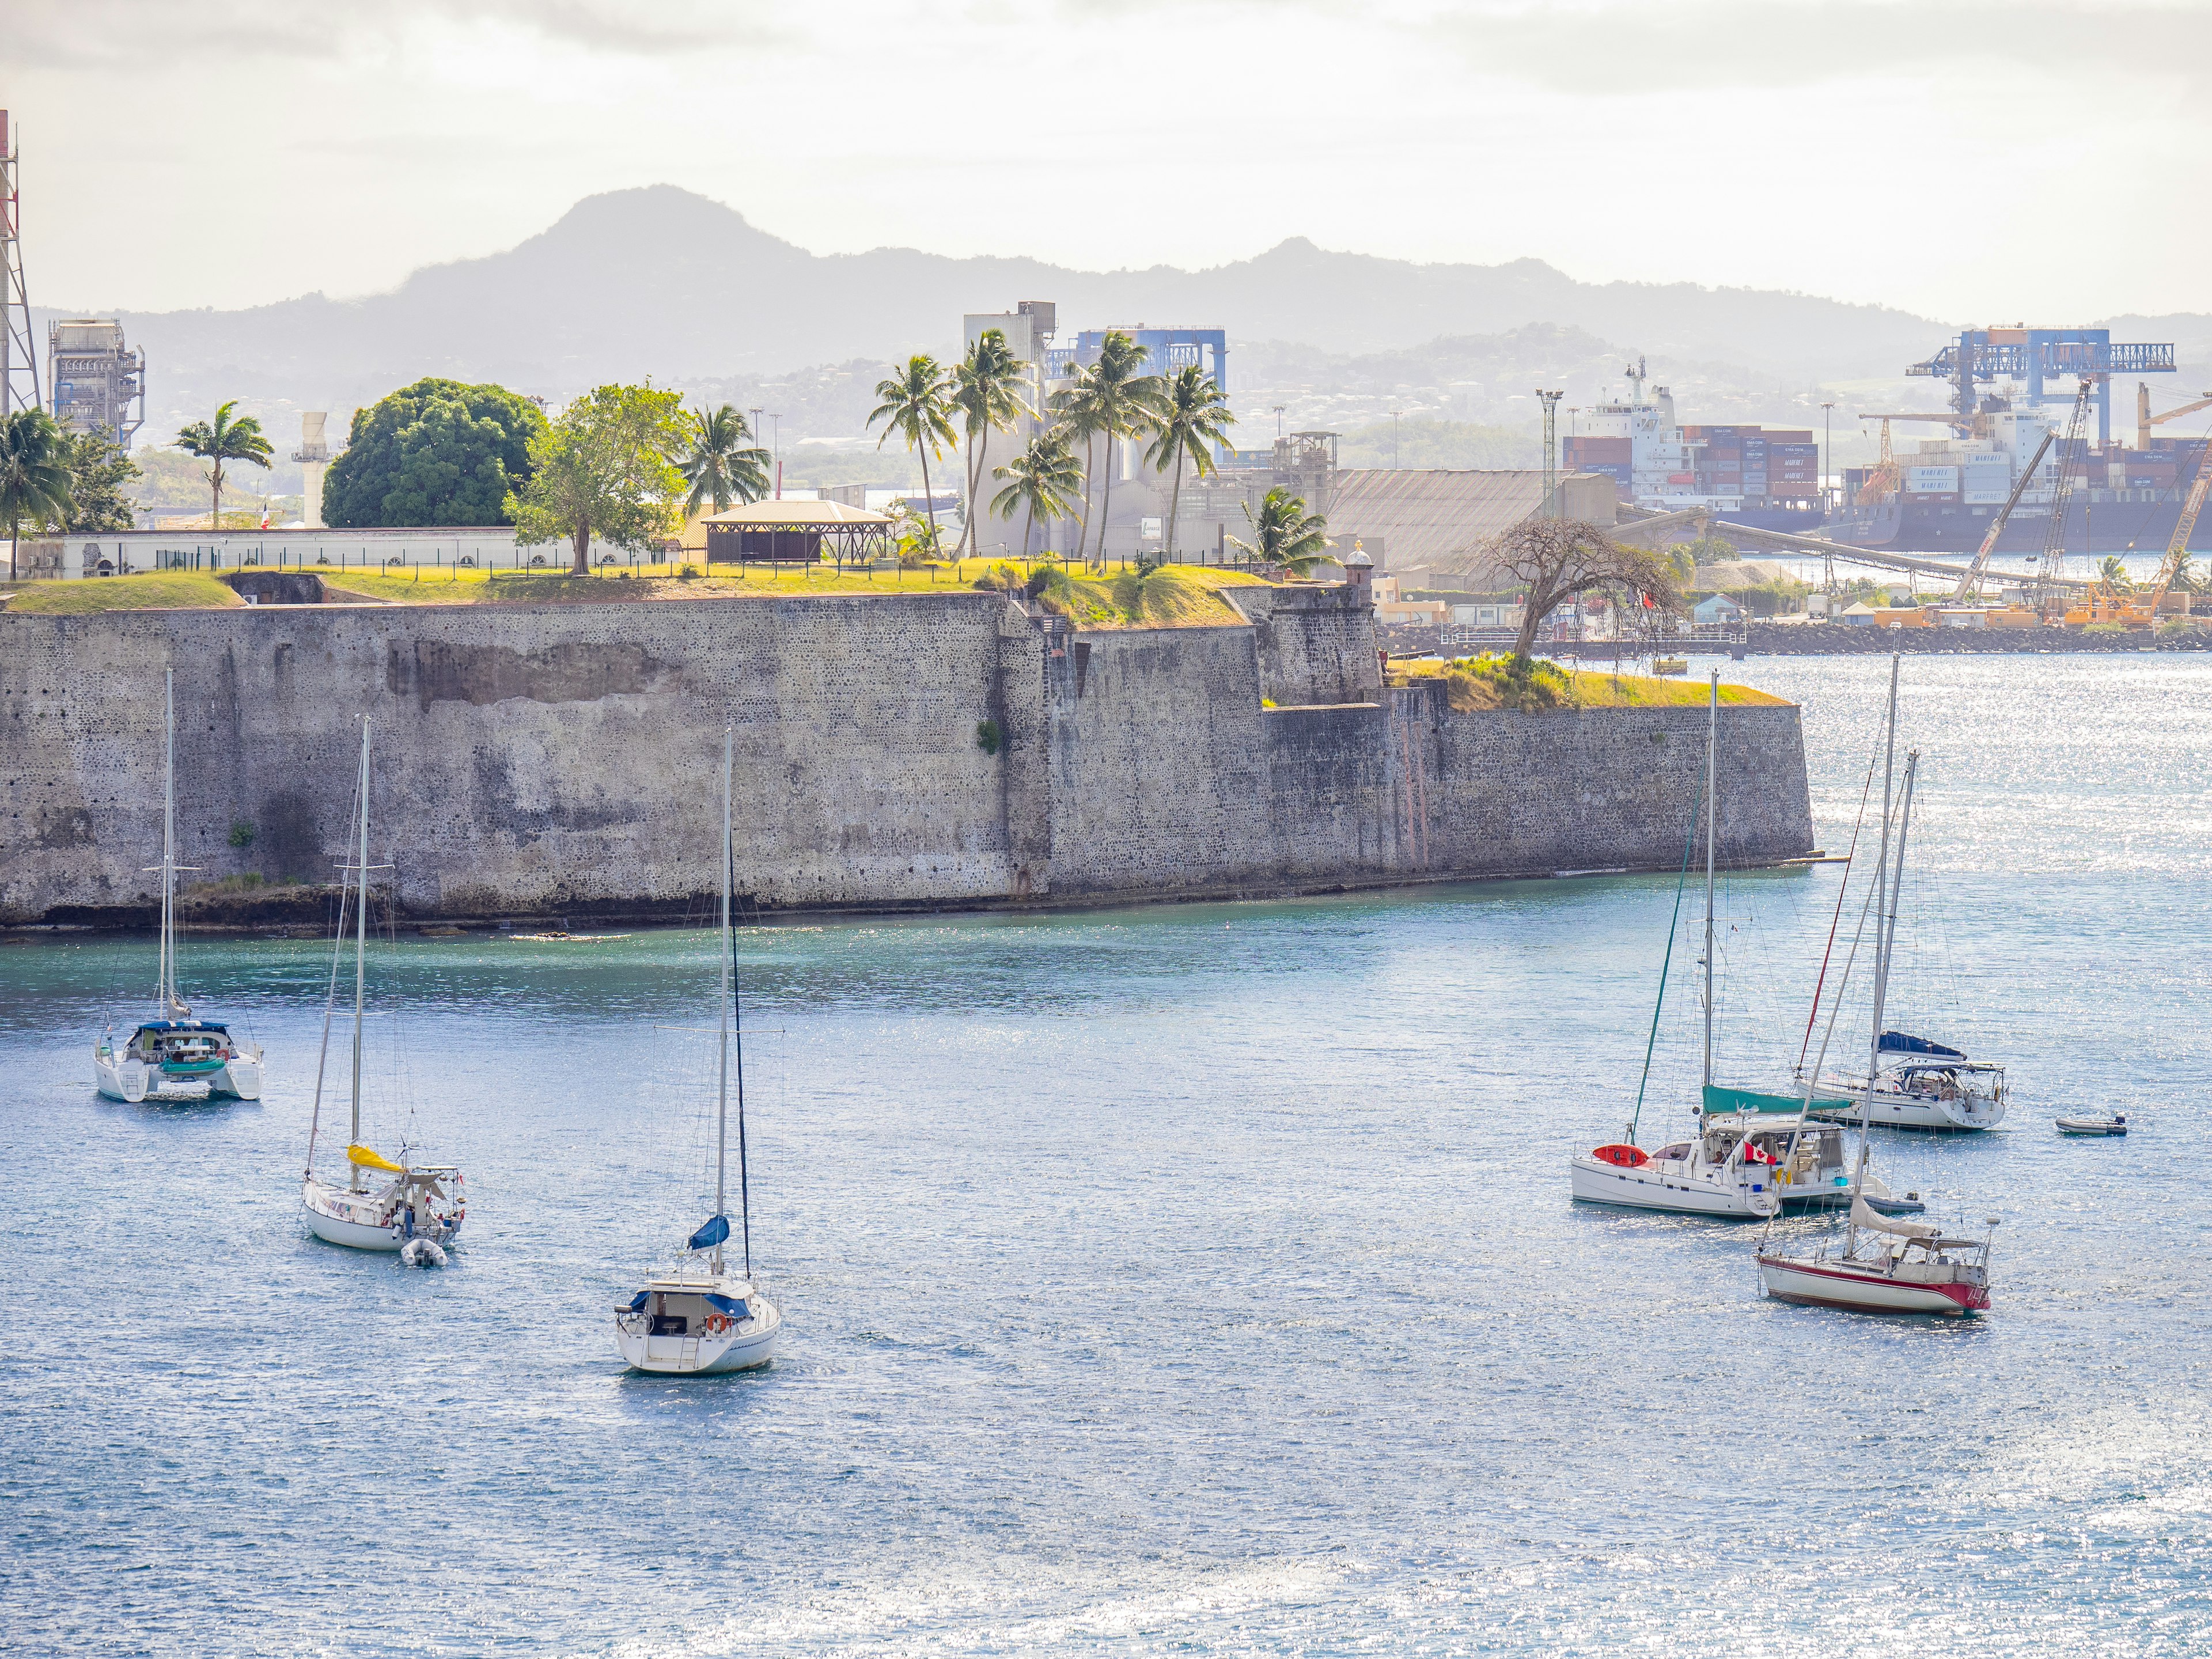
(383, 1204)
(696, 1317)
(174, 1056)
(1887, 1264)
(1743, 1163)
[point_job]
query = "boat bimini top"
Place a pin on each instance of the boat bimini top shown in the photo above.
(1898, 1042)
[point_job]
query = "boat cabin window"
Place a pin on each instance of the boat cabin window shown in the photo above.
(666, 1324)
(1680, 1149)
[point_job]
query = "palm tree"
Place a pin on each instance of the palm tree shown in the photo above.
(2114, 573)
(224, 439)
(35, 473)
(1193, 417)
(987, 392)
(1283, 533)
(725, 462)
(915, 402)
(1075, 408)
(1119, 400)
(1044, 479)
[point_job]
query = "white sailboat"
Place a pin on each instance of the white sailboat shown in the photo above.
(696, 1317)
(383, 1204)
(174, 1056)
(1887, 1264)
(1728, 1169)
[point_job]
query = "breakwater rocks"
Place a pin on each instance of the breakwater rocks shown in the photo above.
(911, 751)
(1819, 639)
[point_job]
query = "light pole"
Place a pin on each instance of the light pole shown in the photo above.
(1550, 401)
(1280, 408)
(1394, 414)
(775, 451)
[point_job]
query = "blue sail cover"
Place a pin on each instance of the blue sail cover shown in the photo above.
(710, 1235)
(733, 1306)
(637, 1303)
(1897, 1042)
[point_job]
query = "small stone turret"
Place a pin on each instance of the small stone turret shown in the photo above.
(1359, 568)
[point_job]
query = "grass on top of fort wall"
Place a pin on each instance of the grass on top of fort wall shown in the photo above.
(159, 590)
(1472, 683)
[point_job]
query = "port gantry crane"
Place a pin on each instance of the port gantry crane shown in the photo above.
(2050, 598)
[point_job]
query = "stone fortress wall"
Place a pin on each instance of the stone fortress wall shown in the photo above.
(565, 760)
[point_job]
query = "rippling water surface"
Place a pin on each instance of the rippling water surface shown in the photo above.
(1191, 1278)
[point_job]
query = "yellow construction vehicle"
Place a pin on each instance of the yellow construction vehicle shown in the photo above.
(2108, 604)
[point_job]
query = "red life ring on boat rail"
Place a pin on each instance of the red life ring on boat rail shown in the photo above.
(716, 1324)
(1625, 1156)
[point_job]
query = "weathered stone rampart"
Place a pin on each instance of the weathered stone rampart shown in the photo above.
(566, 759)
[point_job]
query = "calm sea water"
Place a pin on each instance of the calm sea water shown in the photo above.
(1190, 1280)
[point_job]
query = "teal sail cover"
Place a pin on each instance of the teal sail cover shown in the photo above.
(1718, 1099)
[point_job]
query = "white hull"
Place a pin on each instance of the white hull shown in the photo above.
(1950, 1292)
(131, 1080)
(1670, 1188)
(1891, 1111)
(363, 1221)
(752, 1341)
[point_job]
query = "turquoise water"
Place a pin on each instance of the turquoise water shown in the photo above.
(1192, 1279)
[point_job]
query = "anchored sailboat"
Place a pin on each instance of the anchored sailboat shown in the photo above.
(383, 1204)
(698, 1317)
(174, 1056)
(1887, 1264)
(1734, 1167)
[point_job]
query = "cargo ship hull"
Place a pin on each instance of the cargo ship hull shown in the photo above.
(2109, 522)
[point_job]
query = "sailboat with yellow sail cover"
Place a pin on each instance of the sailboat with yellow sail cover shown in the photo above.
(381, 1204)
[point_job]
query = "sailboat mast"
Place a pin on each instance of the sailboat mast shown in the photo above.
(1712, 773)
(1880, 955)
(722, 998)
(168, 989)
(360, 955)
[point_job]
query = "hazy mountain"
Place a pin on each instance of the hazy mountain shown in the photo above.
(659, 282)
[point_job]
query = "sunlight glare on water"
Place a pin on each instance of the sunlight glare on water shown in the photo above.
(1175, 1279)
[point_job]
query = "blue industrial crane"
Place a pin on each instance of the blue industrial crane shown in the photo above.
(2034, 355)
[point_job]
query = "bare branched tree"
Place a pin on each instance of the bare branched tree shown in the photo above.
(1557, 560)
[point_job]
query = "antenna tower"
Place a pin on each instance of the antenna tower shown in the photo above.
(19, 360)
(1551, 508)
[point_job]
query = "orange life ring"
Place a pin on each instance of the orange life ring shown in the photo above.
(716, 1324)
(1625, 1156)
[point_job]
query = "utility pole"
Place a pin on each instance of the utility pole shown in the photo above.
(775, 450)
(1551, 508)
(1394, 414)
(1828, 452)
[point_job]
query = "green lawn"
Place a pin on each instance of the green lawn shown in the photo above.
(1473, 684)
(159, 589)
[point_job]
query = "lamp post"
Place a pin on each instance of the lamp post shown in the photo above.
(1827, 453)
(775, 451)
(1394, 414)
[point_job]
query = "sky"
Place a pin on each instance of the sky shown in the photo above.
(1925, 154)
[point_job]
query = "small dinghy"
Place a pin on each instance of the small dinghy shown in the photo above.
(2115, 1125)
(421, 1253)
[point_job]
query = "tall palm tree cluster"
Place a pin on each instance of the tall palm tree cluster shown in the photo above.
(1182, 417)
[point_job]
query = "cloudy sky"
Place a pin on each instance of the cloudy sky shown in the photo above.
(1966, 159)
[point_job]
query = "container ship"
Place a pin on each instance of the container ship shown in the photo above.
(1939, 495)
(1760, 477)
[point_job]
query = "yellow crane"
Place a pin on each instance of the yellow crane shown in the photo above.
(1972, 577)
(2145, 420)
(1880, 484)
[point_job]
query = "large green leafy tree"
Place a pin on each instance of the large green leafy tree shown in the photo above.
(34, 475)
(226, 438)
(101, 474)
(1192, 417)
(605, 468)
(437, 452)
(914, 402)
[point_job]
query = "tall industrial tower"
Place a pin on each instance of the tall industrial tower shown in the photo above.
(19, 359)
